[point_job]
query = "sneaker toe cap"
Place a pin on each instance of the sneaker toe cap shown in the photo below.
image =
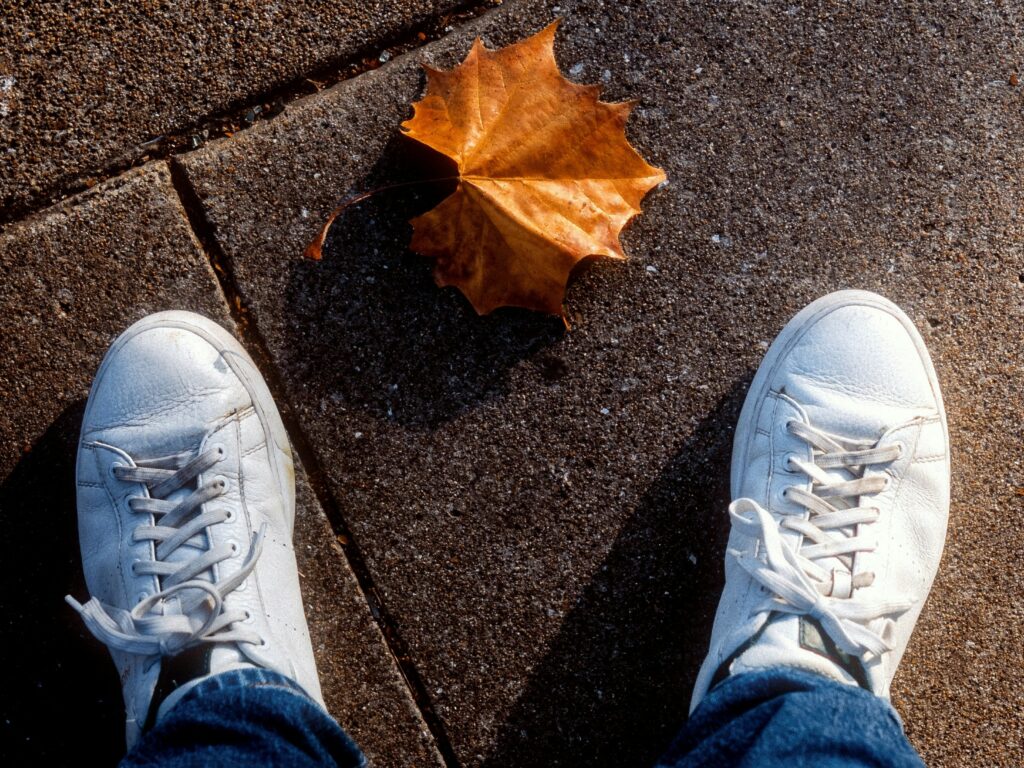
(859, 367)
(167, 369)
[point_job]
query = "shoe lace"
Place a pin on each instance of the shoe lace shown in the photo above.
(188, 609)
(798, 582)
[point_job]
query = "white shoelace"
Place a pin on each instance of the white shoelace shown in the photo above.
(801, 585)
(187, 610)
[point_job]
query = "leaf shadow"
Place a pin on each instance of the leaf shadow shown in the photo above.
(61, 690)
(614, 687)
(371, 331)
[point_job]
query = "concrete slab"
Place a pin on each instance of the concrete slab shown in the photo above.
(362, 684)
(87, 85)
(73, 278)
(543, 512)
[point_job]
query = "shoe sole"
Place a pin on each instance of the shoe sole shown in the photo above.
(785, 341)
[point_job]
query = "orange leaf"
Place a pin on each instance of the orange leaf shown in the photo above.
(546, 175)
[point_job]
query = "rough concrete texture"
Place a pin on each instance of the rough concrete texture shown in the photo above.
(84, 84)
(544, 512)
(73, 278)
(362, 684)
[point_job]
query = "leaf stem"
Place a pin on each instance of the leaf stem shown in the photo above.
(314, 250)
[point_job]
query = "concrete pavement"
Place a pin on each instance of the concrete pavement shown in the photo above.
(538, 516)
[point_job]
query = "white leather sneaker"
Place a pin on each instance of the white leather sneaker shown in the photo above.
(840, 481)
(186, 502)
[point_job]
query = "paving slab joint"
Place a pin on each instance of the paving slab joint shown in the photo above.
(255, 345)
(244, 113)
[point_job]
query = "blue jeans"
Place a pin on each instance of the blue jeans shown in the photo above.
(781, 717)
(790, 718)
(246, 717)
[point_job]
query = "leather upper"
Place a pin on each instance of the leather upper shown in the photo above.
(176, 382)
(852, 365)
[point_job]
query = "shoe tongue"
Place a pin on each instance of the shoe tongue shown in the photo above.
(836, 565)
(188, 551)
(182, 672)
(791, 640)
(205, 659)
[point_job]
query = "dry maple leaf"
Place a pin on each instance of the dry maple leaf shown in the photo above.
(546, 175)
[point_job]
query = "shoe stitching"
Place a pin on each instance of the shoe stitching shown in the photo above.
(117, 518)
(242, 367)
(941, 456)
(248, 413)
(771, 449)
(220, 432)
(898, 482)
(242, 499)
(255, 449)
(241, 469)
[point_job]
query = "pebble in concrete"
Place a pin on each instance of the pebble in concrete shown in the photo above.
(544, 512)
(73, 277)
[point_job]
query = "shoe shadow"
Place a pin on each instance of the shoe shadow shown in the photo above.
(614, 688)
(60, 691)
(371, 331)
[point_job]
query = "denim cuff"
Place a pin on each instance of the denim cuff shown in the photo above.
(248, 677)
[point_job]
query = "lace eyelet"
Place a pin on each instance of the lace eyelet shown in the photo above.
(133, 569)
(223, 482)
(142, 596)
(888, 482)
(789, 465)
(264, 643)
(248, 617)
(783, 496)
(219, 449)
(111, 469)
(902, 449)
(230, 516)
(234, 548)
